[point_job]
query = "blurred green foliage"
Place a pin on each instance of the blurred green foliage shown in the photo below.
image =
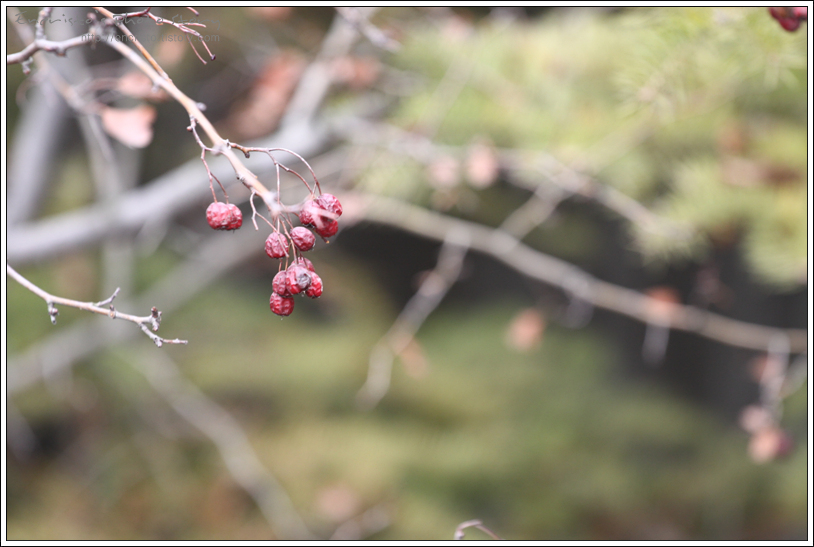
(699, 113)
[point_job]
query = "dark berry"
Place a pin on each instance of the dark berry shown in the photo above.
(281, 305)
(223, 216)
(328, 229)
(329, 202)
(276, 245)
(297, 279)
(315, 288)
(279, 284)
(303, 238)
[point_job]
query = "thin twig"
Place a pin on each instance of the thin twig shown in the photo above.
(146, 323)
(183, 27)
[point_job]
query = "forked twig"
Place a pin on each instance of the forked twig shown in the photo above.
(148, 324)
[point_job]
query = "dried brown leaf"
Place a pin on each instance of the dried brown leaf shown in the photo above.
(138, 85)
(481, 165)
(265, 103)
(525, 332)
(132, 127)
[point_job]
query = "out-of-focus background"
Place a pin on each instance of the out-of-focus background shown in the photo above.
(436, 380)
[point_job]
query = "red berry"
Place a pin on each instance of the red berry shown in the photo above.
(329, 202)
(223, 216)
(276, 245)
(279, 285)
(779, 12)
(328, 229)
(308, 213)
(305, 263)
(315, 289)
(297, 279)
(789, 18)
(281, 305)
(789, 23)
(236, 219)
(303, 238)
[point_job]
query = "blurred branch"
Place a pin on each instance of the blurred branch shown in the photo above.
(231, 441)
(36, 135)
(459, 531)
(508, 249)
(577, 183)
(153, 203)
(362, 24)
(145, 323)
(317, 78)
(433, 289)
(518, 163)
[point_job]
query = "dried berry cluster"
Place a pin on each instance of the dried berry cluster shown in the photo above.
(319, 214)
(789, 18)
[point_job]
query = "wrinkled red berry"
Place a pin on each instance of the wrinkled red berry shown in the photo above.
(800, 12)
(276, 245)
(315, 288)
(304, 262)
(279, 284)
(297, 279)
(281, 305)
(328, 229)
(224, 216)
(308, 213)
(329, 202)
(303, 238)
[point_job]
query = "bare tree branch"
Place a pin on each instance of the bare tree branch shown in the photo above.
(362, 24)
(146, 323)
(40, 42)
(551, 270)
(433, 290)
